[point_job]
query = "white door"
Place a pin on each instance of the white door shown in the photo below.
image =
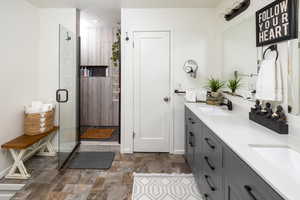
(152, 107)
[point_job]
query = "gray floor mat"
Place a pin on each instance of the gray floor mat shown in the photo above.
(92, 160)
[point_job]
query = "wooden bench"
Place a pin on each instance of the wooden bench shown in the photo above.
(25, 146)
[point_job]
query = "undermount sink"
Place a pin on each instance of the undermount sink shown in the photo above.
(284, 158)
(213, 110)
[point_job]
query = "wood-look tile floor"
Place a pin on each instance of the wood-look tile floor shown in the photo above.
(114, 184)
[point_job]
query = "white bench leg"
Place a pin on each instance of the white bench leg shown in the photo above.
(18, 170)
(48, 150)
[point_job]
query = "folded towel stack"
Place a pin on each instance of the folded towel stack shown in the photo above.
(39, 107)
(39, 118)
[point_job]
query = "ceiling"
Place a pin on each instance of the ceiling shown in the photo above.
(109, 10)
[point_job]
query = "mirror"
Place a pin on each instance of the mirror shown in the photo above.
(293, 82)
(240, 55)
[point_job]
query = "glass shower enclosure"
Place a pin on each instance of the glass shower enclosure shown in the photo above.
(67, 95)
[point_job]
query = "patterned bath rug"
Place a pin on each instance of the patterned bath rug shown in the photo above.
(165, 187)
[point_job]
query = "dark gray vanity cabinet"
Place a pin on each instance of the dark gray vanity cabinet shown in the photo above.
(241, 182)
(189, 149)
(193, 144)
(197, 163)
(212, 165)
(219, 172)
(191, 127)
(203, 153)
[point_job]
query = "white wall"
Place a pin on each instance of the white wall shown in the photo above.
(192, 37)
(18, 52)
(48, 59)
(29, 58)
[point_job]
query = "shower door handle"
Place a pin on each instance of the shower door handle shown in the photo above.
(58, 95)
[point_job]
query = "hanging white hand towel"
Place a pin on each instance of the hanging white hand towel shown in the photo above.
(269, 82)
(279, 82)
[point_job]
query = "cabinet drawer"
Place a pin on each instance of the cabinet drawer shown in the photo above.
(212, 166)
(212, 145)
(187, 113)
(214, 174)
(190, 117)
(192, 133)
(211, 188)
(242, 182)
(212, 151)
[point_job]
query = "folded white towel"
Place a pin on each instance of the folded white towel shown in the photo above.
(39, 107)
(269, 81)
(191, 95)
(201, 95)
(46, 107)
(32, 110)
(36, 104)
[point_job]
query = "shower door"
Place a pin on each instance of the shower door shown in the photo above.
(67, 95)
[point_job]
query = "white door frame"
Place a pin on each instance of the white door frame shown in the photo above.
(171, 94)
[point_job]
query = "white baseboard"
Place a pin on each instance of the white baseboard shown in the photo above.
(179, 152)
(126, 151)
(7, 191)
(6, 196)
(108, 143)
(11, 187)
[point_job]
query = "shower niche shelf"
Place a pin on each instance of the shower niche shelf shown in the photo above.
(93, 71)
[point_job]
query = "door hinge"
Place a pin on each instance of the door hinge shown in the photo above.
(133, 135)
(132, 44)
(299, 45)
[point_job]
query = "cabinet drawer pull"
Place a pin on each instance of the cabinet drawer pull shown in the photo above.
(206, 197)
(191, 120)
(209, 144)
(212, 188)
(249, 191)
(191, 139)
(209, 164)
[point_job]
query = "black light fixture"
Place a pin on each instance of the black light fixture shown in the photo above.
(237, 10)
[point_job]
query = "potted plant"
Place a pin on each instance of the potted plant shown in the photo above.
(116, 50)
(214, 85)
(234, 84)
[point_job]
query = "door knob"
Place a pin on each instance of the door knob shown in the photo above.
(166, 99)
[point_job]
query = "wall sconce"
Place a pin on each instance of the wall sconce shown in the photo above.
(191, 67)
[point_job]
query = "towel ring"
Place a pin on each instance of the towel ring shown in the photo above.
(271, 48)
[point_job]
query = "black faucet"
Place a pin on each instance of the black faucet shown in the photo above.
(227, 103)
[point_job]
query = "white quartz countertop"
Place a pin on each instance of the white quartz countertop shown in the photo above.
(239, 133)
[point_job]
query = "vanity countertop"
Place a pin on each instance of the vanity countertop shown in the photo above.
(241, 134)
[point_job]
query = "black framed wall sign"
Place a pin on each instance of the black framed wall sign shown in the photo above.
(277, 22)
